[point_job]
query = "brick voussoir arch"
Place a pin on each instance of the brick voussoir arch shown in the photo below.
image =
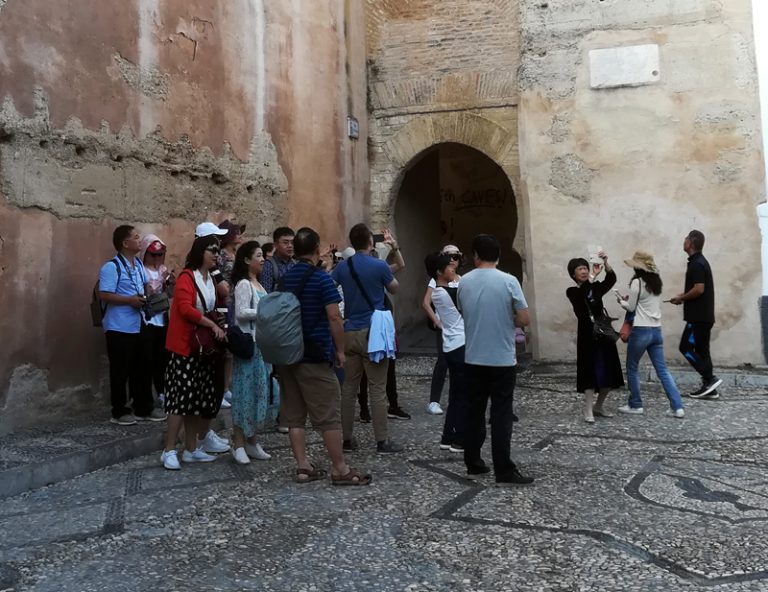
(470, 129)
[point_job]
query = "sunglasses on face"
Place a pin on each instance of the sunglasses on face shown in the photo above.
(455, 256)
(215, 250)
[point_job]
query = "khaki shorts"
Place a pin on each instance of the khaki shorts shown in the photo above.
(309, 390)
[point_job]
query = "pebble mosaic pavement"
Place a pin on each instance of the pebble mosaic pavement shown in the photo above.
(630, 503)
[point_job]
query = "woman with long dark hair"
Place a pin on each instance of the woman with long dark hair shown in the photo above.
(254, 404)
(598, 367)
(190, 378)
(644, 300)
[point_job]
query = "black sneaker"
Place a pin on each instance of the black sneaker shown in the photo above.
(349, 445)
(365, 415)
(387, 447)
(707, 387)
(713, 396)
(397, 413)
(514, 477)
(476, 471)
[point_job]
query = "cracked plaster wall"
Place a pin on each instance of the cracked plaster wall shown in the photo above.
(637, 168)
(159, 114)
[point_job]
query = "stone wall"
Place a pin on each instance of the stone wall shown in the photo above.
(159, 114)
(633, 164)
(438, 73)
(637, 167)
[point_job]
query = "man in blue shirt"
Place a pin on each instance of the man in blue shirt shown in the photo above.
(492, 304)
(278, 265)
(310, 388)
(122, 286)
(363, 279)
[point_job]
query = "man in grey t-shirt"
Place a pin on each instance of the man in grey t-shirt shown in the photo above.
(492, 304)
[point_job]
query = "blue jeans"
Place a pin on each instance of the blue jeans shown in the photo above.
(649, 339)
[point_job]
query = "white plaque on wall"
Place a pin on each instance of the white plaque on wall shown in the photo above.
(634, 65)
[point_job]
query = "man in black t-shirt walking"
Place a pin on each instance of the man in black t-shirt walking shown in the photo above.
(698, 302)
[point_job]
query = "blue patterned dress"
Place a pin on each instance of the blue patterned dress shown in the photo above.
(255, 396)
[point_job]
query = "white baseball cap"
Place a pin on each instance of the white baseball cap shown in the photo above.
(209, 228)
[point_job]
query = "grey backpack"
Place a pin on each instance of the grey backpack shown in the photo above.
(279, 333)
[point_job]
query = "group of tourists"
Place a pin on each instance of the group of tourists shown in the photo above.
(169, 332)
(597, 358)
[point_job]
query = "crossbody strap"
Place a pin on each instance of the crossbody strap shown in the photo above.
(359, 283)
(300, 290)
(199, 292)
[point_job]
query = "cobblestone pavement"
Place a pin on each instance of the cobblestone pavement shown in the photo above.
(629, 503)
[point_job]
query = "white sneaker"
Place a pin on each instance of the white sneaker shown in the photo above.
(198, 455)
(213, 444)
(170, 460)
(678, 413)
(282, 429)
(434, 408)
(631, 410)
(257, 452)
(216, 438)
(226, 404)
(228, 396)
(241, 457)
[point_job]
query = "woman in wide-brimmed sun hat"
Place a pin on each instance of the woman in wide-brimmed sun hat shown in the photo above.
(644, 300)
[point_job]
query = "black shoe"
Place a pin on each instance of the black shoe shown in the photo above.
(349, 445)
(713, 396)
(365, 415)
(397, 413)
(707, 388)
(474, 472)
(515, 417)
(513, 477)
(388, 446)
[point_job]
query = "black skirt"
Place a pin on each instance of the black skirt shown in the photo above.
(191, 386)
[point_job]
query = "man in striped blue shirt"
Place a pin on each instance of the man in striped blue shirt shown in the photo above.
(310, 388)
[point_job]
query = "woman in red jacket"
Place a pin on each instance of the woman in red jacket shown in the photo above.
(190, 379)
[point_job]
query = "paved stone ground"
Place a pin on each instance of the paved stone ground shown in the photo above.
(630, 503)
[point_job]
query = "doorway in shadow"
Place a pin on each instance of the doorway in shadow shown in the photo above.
(449, 193)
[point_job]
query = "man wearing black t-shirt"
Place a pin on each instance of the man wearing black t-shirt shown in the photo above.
(698, 302)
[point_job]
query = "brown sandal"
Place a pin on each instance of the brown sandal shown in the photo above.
(353, 477)
(308, 475)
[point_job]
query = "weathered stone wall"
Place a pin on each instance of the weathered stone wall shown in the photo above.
(438, 73)
(638, 167)
(160, 114)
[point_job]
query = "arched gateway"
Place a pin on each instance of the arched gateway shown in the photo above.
(442, 179)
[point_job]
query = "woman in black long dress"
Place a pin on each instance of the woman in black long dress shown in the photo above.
(598, 368)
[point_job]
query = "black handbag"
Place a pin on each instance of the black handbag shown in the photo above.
(602, 327)
(239, 342)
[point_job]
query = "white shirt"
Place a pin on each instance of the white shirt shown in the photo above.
(247, 306)
(453, 323)
(208, 290)
(647, 308)
(433, 284)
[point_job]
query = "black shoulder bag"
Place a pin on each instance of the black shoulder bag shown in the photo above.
(602, 328)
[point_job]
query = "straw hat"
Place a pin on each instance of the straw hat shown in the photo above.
(642, 260)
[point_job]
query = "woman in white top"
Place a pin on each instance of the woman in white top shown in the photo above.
(254, 404)
(444, 297)
(644, 301)
(441, 366)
